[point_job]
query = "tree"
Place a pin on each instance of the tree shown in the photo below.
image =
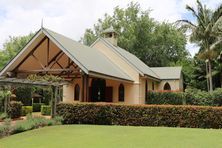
(206, 33)
(156, 44)
(11, 47)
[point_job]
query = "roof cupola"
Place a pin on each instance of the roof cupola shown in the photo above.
(111, 35)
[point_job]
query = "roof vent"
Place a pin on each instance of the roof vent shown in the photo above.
(111, 35)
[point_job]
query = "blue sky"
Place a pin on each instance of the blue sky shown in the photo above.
(72, 17)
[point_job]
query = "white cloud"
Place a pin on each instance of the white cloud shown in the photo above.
(72, 17)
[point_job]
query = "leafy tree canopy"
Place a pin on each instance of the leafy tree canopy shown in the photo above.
(156, 44)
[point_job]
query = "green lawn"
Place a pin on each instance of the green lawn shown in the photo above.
(80, 136)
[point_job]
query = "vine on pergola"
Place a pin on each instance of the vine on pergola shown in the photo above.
(48, 78)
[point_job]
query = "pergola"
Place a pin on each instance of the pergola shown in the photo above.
(7, 83)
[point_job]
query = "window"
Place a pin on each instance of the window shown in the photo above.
(153, 86)
(121, 93)
(167, 86)
(76, 92)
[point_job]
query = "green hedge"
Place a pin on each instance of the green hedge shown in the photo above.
(46, 110)
(37, 107)
(143, 115)
(189, 97)
(14, 109)
(165, 98)
(26, 110)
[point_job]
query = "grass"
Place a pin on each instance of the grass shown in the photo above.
(77, 136)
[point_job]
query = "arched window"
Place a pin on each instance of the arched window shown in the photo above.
(77, 92)
(121, 92)
(167, 86)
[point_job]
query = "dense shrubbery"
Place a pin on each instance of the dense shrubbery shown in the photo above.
(46, 110)
(24, 94)
(14, 109)
(189, 97)
(165, 98)
(143, 115)
(26, 110)
(29, 124)
(37, 107)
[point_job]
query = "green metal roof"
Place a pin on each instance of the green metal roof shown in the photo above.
(166, 73)
(133, 60)
(87, 58)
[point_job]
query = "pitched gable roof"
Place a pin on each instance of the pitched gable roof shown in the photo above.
(88, 59)
(167, 73)
(141, 67)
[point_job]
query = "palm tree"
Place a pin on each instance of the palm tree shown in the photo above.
(206, 33)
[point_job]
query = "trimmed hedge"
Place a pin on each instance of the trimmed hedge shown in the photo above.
(46, 110)
(189, 97)
(26, 110)
(37, 107)
(14, 109)
(141, 115)
(172, 98)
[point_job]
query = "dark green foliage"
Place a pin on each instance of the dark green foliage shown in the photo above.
(3, 116)
(189, 97)
(141, 115)
(46, 110)
(217, 97)
(156, 44)
(47, 95)
(14, 109)
(173, 98)
(37, 107)
(198, 97)
(24, 94)
(26, 110)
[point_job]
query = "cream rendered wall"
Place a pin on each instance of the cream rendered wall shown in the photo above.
(174, 84)
(142, 90)
(150, 87)
(68, 93)
(132, 91)
(68, 90)
(118, 60)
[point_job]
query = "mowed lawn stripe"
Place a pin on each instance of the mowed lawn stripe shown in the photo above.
(94, 136)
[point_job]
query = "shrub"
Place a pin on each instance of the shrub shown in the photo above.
(3, 116)
(141, 115)
(35, 122)
(198, 97)
(5, 129)
(37, 107)
(189, 97)
(14, 109)
(24, 94)
(174, 98)
(46, 110)
(26, 110)
(217, 97)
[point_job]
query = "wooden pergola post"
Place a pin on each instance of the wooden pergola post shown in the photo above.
(85, 88)
(6, 99)
(54, 100)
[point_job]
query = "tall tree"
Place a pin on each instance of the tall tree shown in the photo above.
(11, 47)
(206, 33)
(156, 44)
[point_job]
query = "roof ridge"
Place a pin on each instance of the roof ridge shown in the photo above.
(114, 47)
(112, 64)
